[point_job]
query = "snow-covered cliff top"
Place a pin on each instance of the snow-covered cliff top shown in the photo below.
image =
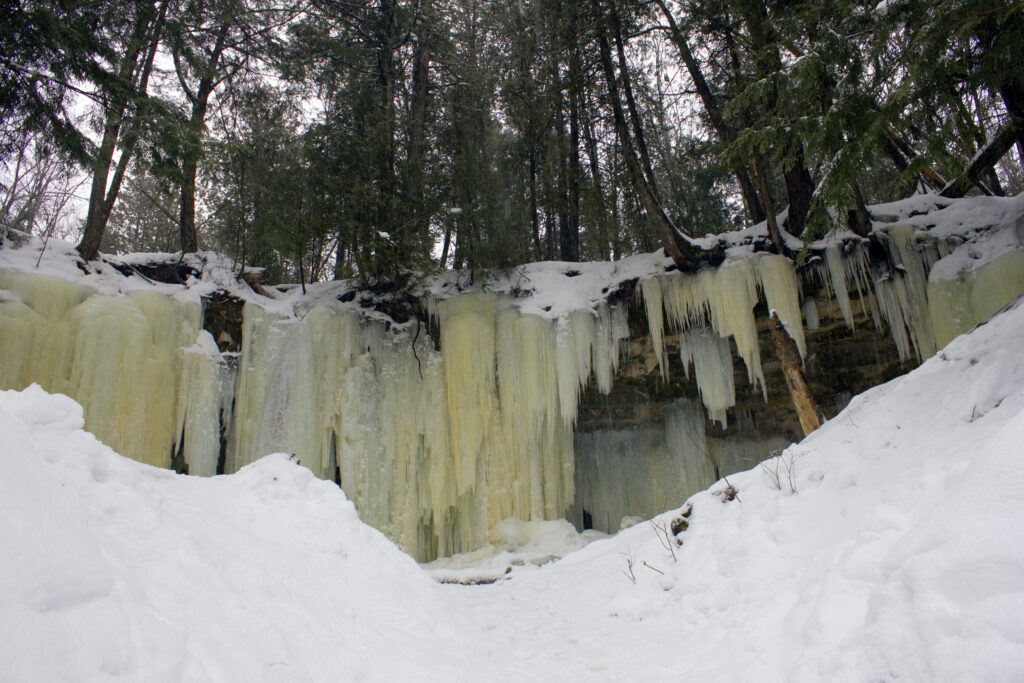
(989, 227)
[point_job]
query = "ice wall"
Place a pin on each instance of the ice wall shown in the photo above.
(122, 357)
(625, 472)
(960, 300)
(435, 447)
(439, 440)
(622, 473)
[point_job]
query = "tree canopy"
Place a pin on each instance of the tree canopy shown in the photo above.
(373, 138)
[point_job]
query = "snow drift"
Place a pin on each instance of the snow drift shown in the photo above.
(114, 570)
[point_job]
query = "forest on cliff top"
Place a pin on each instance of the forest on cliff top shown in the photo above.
(324, 139)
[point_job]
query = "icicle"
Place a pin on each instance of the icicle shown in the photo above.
(468, 350)
(612, 327)
(902, 296)
(712, 363)
(810, 311)
(782, 293)
(574, 340)
(726, 295)
(205, 389)
(837, 276)
(650, 290)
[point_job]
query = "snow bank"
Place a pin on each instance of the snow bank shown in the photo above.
(113, 570)
(889, 545)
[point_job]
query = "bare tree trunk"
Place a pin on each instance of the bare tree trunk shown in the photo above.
(417, 147)
(902, 154)
(859, 218)
(634, 111)
(96, 216)
(564, 238)
(187, 216)
(387, 41)
(726, 134)
(773, 225)
(685, 255)
(575, 86)
(595, 174)
(446, 246)
(189, 165)
(132, 135)
(799, 185)
(538, 248)
(1000, 143)
(799, 189)
(793, 369)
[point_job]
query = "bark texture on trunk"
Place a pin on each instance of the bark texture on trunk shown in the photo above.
(800, 190)
(793, 369)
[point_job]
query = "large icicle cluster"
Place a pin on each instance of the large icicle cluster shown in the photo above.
(921, 313)
(437, 444)
(123, 358)
(434, 447)
(723, 299)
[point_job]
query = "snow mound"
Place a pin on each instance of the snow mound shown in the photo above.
(113, 570)
(514, 544)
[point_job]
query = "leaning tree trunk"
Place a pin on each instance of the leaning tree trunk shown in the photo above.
(97, 217)
(793, 369)
(686, 255)
(1000, 143)
(773, 225)
(755, 210)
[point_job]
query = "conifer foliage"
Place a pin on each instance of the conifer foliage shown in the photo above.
(377, 138)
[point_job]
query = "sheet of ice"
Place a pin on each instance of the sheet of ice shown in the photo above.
(649, 468)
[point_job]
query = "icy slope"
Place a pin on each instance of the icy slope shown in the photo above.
(890, 546)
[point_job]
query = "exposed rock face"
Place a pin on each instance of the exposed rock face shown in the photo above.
(840, 363)
(222, 317)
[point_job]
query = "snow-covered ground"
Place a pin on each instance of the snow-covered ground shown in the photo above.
(889, 545)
